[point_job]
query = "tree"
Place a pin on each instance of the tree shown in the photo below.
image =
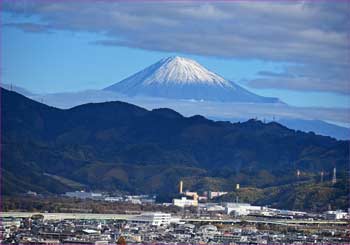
(121, 240)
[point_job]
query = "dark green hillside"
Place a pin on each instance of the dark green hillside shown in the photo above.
(301, 195)
(115, 145)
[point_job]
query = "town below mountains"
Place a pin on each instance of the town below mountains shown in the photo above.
(114, 146)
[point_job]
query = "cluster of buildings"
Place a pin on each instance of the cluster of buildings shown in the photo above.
(134, 199)
(337, 215)
(206, 206)
(155, 227)
(190, 198)
(237, 210)
(200, 220)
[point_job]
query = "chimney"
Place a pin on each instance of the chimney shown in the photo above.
(180, 186)
(334, 179)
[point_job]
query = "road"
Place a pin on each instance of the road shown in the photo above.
(62, 216)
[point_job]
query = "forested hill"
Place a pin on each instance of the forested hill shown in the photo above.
(115, 145)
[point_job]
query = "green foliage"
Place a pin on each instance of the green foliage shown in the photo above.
(119, 146)
(310, 195)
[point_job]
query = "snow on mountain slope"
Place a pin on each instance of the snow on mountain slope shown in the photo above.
(184, 71)
(181, 78)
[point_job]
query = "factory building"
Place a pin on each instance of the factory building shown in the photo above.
(241, 208)
(184, 202)
(211, 207)
(336, 215)
(84, 195)
(155, 219)
(192, 194)
(213, 194)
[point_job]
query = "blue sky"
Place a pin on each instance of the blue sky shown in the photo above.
(300, 56)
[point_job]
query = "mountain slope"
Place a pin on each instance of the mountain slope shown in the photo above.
(115, 145)
(317, 126)
(180, 78)
(295, 120)
(17, 89)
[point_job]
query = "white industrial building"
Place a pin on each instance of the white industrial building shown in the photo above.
(338, 214)
(184, 202)
(114, 199)
(213, 194)
(241, 208)
(84, 195)
(211, 207)
(152, 218)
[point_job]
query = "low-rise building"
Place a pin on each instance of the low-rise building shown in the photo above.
(213, 194)
(241, 208)
(338, 214)
(156, 218)
(114, 199)
(184, 202)
(84, 195)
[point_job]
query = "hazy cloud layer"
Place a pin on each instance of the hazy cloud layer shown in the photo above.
(313, 37)
(30, 27)
(205, 108)
(311, 77)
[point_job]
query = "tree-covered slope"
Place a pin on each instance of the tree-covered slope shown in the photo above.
(115, 145)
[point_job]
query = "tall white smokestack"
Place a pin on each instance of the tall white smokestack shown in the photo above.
(334, 179)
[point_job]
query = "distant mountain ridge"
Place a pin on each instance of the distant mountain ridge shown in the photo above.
(17, 89)
(116, 145)
(68, 100)
(317, 126)
(181, 78)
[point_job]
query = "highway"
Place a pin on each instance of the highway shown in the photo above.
(87, 216)
(269, 221)
(62, 216)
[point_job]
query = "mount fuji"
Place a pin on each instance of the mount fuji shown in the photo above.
(182, 78)
(187, 87)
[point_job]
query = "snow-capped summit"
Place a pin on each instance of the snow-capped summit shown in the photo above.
(183, 71)
(181, 78)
